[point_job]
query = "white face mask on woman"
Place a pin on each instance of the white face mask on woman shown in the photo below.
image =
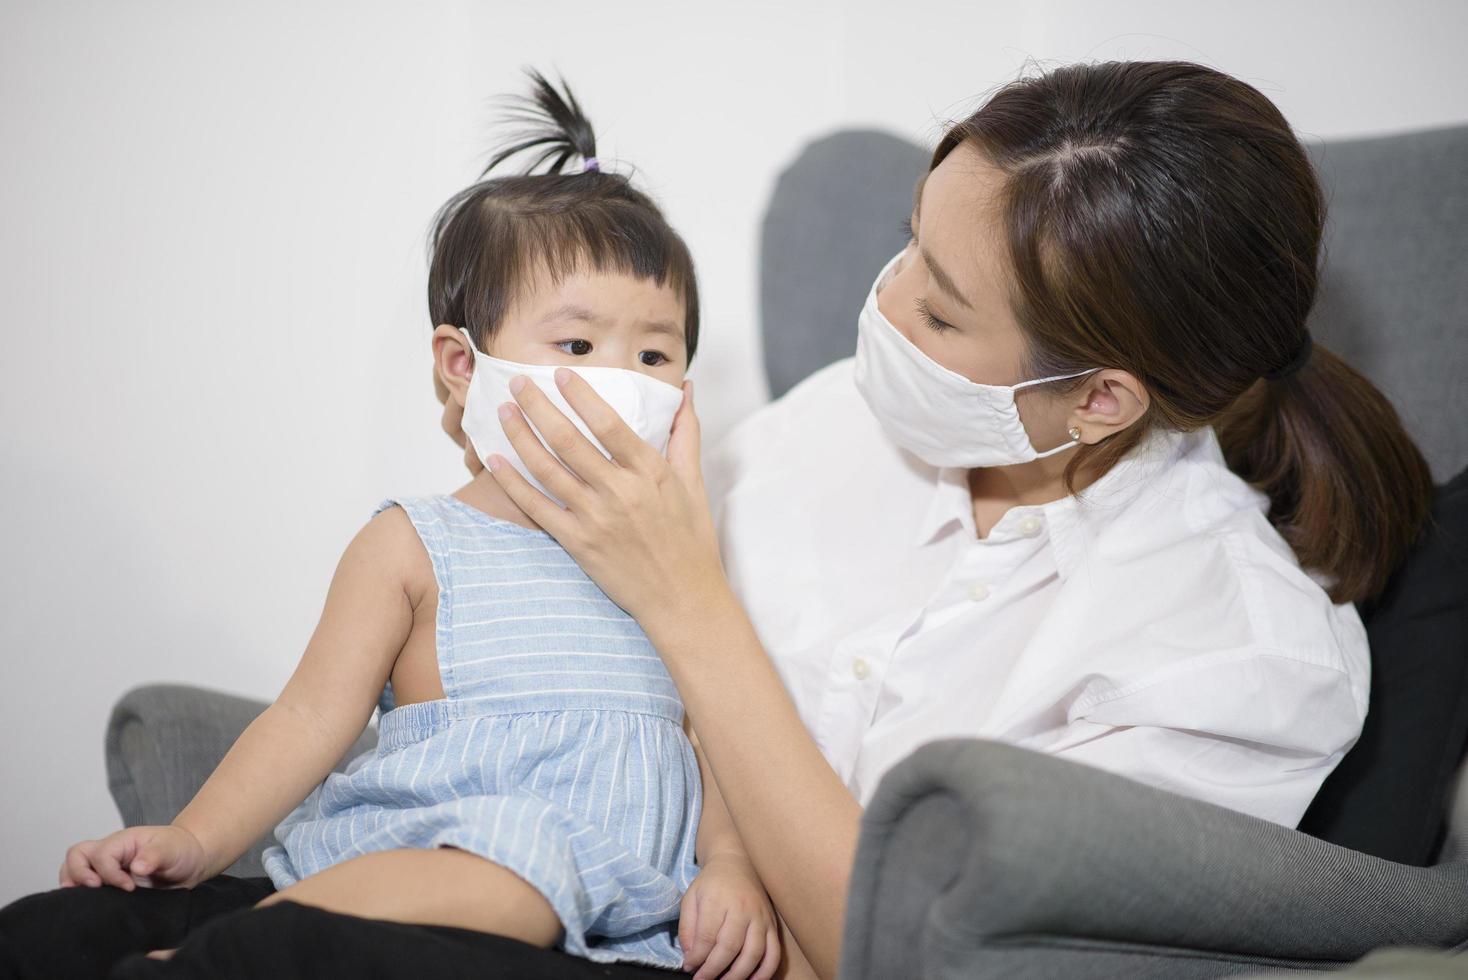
(646, 404)
(936, 414)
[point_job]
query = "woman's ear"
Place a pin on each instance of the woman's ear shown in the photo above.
(1111, 400)
(453, 361)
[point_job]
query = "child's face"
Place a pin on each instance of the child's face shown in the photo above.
(604, 319)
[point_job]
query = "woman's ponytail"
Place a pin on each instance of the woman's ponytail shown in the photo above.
(1348, 488)
(1162, 217)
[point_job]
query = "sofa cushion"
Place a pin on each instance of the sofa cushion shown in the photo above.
(1389, 796)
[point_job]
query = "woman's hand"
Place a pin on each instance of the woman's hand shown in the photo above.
(151, 857)
(637, 523)
(453, 424)
(726, 925)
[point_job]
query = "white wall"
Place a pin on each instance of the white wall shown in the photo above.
(213, 332)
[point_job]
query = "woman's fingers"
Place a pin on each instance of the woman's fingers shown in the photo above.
(536, 505)
(551, 473)
(561, 435)
(627, 447)
(683, 444)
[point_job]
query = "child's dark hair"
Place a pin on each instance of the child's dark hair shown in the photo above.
(489, 239)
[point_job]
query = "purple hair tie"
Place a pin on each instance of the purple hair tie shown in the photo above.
(592, 163)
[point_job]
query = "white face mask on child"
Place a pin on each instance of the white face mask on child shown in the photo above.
(646, 404)
(936, 414)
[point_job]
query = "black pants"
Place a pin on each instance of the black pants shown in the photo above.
(83, 933)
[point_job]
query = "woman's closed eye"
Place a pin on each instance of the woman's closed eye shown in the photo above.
(935, 324)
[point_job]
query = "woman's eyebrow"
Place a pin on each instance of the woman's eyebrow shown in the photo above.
(943, 279)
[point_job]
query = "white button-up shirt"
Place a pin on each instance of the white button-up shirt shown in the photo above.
(1156, 625)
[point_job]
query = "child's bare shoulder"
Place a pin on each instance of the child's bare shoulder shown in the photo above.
(390, 542)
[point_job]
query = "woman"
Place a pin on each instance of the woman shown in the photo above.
(1087, 486)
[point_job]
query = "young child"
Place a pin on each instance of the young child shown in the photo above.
(533, 776)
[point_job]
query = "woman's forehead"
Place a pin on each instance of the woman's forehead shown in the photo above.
(960, 219)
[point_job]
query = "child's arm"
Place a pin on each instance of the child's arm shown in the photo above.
(726, 921)
(292, 745)
(285, 752)
(716, 833)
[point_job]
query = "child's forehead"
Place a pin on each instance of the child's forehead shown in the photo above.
(608, 296)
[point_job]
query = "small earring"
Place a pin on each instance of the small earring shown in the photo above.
(1074, 432)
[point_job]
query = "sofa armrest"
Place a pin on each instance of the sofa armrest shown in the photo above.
(978, 858)
(163, 742)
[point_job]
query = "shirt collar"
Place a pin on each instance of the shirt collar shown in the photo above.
(951, 503)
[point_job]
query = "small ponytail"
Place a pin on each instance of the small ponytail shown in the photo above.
(553, 120)
(491, 240)
(1348, 488)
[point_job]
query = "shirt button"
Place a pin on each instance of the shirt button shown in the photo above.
(1029, 527)
(860, 668)
(978, 591)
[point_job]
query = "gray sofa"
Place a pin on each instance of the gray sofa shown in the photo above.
(980, 859)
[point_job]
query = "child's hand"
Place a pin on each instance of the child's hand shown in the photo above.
(726, 919)
(153, 857)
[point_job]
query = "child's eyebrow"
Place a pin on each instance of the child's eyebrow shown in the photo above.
(571, 311)
(663, 327)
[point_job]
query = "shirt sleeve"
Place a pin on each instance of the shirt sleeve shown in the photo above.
(1258, 734)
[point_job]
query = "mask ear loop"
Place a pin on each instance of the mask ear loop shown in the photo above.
(1040, 381)
(473, 349)
(1058, 377)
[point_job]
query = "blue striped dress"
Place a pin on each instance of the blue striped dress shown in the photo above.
(557, 750)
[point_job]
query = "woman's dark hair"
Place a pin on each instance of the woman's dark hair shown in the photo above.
(1162, 218)
(489, 240)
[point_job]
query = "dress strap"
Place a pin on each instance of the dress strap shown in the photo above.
(429, 520)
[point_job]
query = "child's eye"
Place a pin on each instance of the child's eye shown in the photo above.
(933, 322)
(652, 358)
(579, 348)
